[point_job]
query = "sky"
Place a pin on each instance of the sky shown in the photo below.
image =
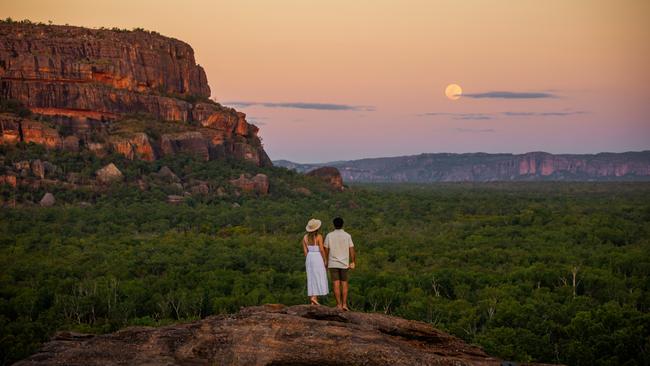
(348, 79)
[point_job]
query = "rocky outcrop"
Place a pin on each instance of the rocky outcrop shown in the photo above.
(137, 61)
(167, 175)
(48, 200)
(87, 78)
(136, 146)
(34, 168)
(175, 199)
(302, 190)
(109, 174)
(481, 167)
(8, 179)
(38, 168)
(186, 142)
(329, 175)
(14, 129)
(258, 184)
(269, 335)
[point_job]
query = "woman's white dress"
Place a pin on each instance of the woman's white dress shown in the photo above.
(316, 273)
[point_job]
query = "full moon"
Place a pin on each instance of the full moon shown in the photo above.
(453, 91)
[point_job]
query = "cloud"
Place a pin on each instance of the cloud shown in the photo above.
(303, 105)
(489, 116)
(482, 130)
(461, 116)
(257, 120)
(542, 114)
(510, 95)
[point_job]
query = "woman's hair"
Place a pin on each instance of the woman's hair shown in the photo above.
(311, 236)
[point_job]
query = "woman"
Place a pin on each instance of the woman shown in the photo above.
(315, 261)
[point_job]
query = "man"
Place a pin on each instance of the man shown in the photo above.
(339, 250)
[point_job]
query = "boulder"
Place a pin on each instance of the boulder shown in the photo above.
(136, 146)
(97, 148)
(38, 168)
(71, 143)
(22, 165)
(200, 189)
(168, 175)
(258, 184)
(9, 129)
(175, 199)
(109, 174)
(48, 200)
(9, 180)
(142, 185)
(39, 133)
(261, 183)
(73, 177)
(50, 169)
(186, 142)
(269, 335)
(329, 175)
(302, 190)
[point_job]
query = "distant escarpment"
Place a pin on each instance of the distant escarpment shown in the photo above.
(79, 82)
(483, 167)
(269, 335)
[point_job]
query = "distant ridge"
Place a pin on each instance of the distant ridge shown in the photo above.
(485, 167)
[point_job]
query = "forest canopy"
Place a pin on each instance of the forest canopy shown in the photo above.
(546, 272)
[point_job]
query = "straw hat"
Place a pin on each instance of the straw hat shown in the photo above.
(313, 225)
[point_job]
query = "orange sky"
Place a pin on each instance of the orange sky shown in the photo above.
(388, 63)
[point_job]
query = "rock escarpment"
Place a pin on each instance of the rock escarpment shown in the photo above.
(85, 79)
(329, 175)
(269, 335)
(482, 167)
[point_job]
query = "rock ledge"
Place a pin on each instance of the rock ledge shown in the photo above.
(269, 335)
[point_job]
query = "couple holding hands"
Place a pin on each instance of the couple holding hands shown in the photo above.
(336, 253)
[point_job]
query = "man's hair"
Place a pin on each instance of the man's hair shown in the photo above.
(338, 222)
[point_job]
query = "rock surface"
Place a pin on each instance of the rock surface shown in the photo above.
(269, 335)
(482, 167)
(14, 129)
(330, 175)
(86, 79)
(48, 200)
(108, 174)
(137, 146)
(258, 184)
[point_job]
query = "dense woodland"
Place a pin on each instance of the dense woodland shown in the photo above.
(547, 272)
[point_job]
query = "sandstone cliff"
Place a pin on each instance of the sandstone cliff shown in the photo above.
(85, 79)
(269, 335)
(329, 175)
(482, 167)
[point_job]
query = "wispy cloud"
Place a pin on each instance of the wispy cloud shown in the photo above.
(303, 105)
(488, 116)
(542, 114)
(461, 116)
(257, 120)
(510, 95)
(476, 130)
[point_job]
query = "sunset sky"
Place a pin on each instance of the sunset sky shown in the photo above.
(333, 80)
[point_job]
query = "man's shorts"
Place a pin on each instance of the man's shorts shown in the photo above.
(339, 274)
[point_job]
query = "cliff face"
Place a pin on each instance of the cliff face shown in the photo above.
(481, 167)
(269, 335)
(330, 175)
(88, 78)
